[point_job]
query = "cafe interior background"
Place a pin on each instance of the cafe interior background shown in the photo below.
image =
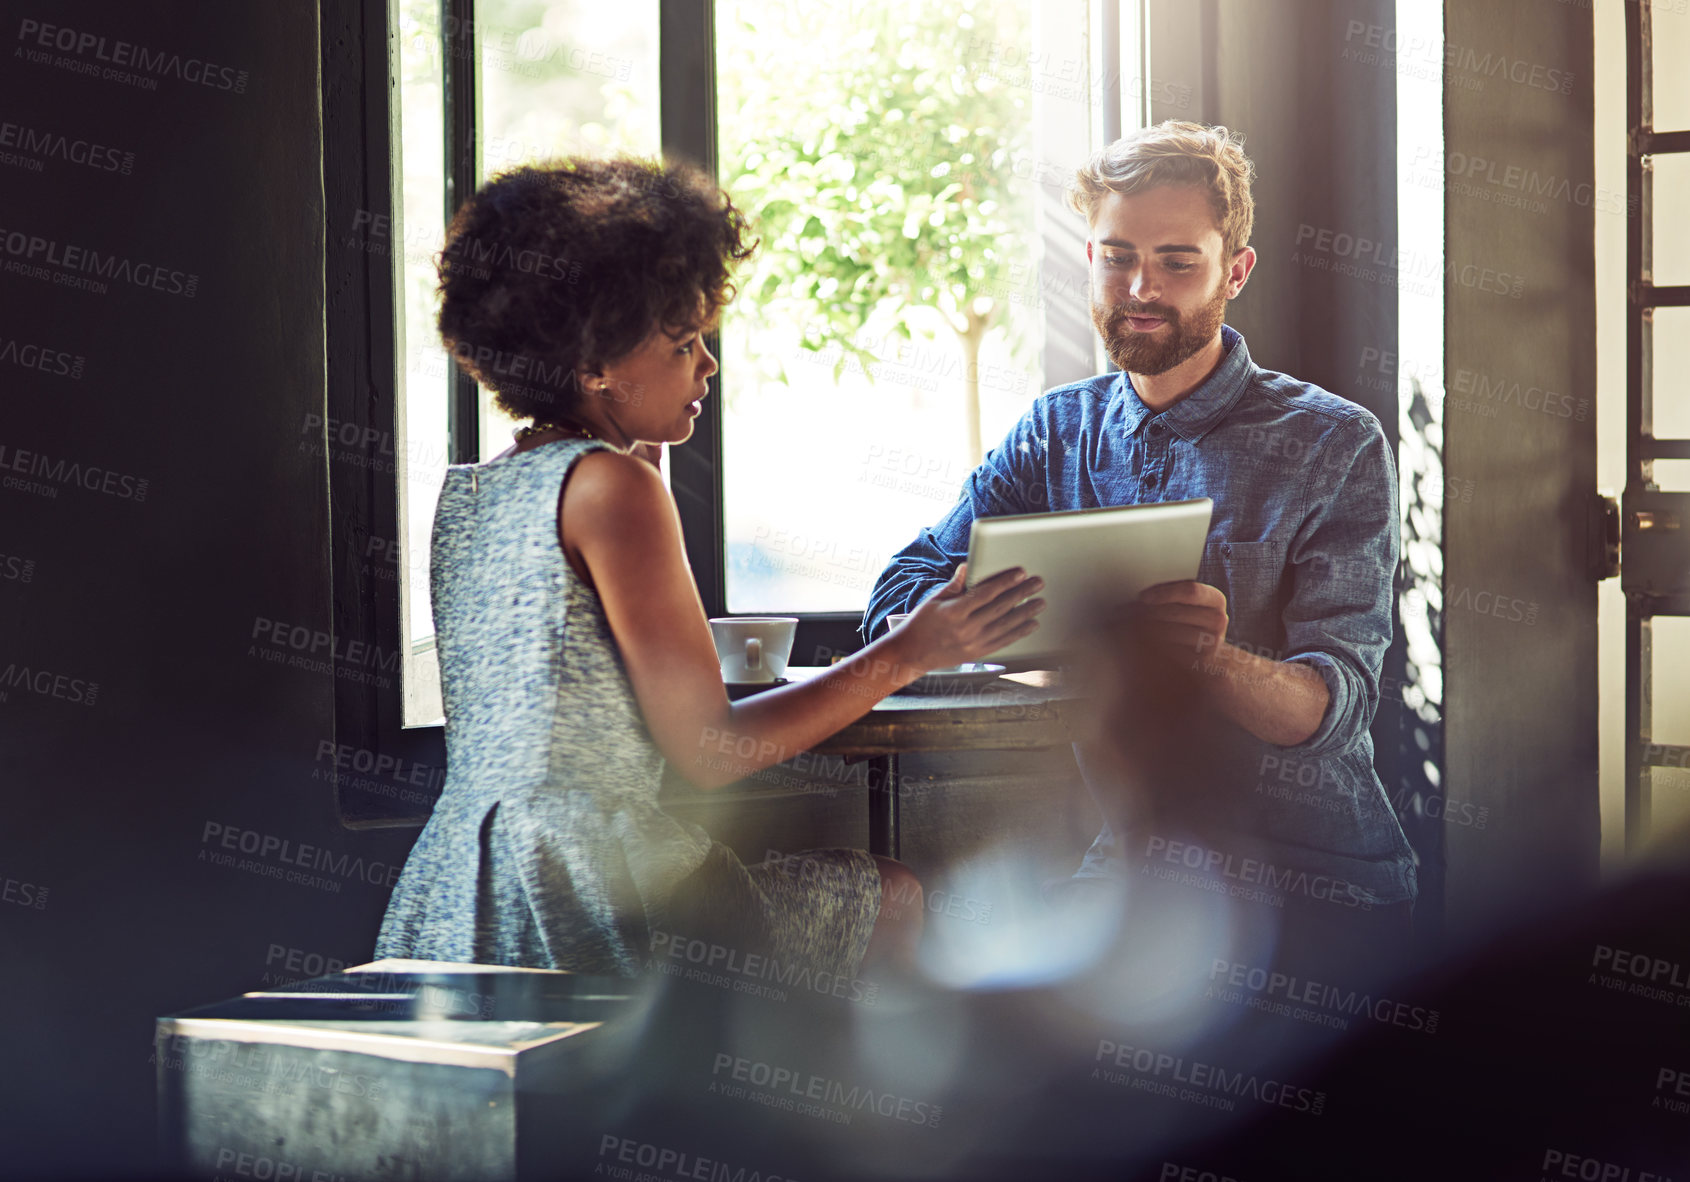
(213, 598)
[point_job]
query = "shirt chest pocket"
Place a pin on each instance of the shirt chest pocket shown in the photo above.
(1252, 577)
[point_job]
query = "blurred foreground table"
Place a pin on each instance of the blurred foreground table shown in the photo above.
(395, 1069)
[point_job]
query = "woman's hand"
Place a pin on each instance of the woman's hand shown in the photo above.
(959, 624)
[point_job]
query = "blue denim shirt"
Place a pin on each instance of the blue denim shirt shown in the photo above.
(1303, 543)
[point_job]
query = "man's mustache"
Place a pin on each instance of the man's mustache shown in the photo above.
(1119, 312)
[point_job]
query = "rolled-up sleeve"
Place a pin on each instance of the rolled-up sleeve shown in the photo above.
(1008, 480)
(1342, 563)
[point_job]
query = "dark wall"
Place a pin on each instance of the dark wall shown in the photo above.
(172, 503)
(1323, 137)
(1519, 591)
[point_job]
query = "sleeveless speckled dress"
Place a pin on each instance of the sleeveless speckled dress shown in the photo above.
(547, 847)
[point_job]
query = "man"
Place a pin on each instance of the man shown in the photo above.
(1290, 615)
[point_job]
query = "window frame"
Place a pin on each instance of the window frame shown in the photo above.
(360, 133)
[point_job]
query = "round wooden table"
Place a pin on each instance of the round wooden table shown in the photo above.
(1016, 712)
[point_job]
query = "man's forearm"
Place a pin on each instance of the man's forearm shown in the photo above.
(1280, 702)
(908, 581)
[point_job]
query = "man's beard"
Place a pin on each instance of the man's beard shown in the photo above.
(1158, 352)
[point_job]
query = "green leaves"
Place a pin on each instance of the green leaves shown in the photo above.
(873, 148)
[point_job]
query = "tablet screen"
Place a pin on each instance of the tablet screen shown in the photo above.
(1090, 560)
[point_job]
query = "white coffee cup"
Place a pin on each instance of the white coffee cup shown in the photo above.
(753, 650)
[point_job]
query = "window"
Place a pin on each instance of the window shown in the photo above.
(883, 151)
(424, 378)
(1419, 374)
(919, 283)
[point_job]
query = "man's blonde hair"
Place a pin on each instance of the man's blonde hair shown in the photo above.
(1175, 153)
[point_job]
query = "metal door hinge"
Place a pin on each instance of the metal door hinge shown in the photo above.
(1655, 546)
(1605, 535)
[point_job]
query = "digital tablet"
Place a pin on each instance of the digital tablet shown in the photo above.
(1090, 560)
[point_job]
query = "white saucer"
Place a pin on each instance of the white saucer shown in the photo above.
(956, 680)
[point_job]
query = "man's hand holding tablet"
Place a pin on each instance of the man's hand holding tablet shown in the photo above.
(1094, 560)
(1188, 614)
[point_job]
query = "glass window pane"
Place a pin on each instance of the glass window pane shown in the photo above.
(419, 227)
(1672, 360)
(1419, 372)
(1671, 236)
(559, 78)
(1672, 49)
(886, 332)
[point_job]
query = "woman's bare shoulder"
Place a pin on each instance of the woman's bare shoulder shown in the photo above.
(604, 472)
(609, 490)
(612, 503)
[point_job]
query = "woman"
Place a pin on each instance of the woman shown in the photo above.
(574, 652)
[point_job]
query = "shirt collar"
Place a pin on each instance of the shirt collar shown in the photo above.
(1193, 416)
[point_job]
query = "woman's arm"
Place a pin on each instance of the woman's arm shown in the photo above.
(618, 521)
